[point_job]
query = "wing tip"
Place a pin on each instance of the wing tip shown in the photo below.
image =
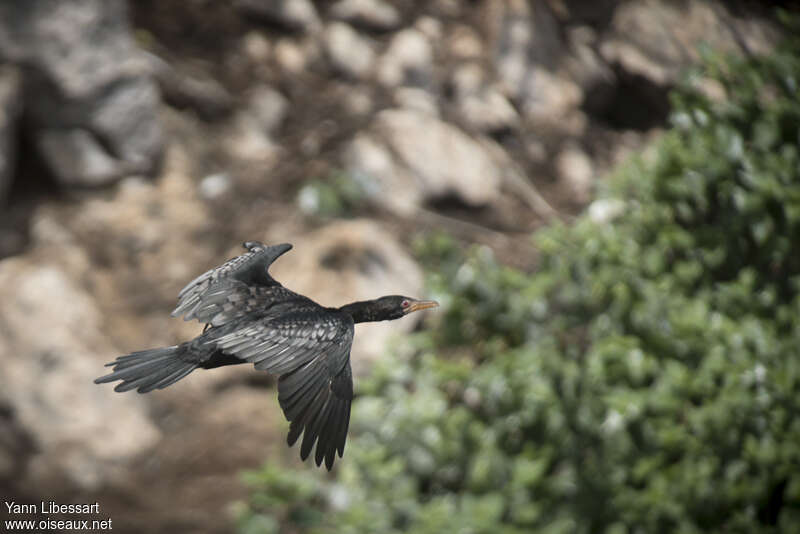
(326, 454)
(282, 247)
(324, 432)
(275, 250)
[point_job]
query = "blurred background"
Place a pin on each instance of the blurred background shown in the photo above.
(604, 196)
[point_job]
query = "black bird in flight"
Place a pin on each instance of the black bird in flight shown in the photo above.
(250, 317)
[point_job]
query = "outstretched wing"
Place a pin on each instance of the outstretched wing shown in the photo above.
(310, 350)
(318, 406)
(237, 274)
(229, 299)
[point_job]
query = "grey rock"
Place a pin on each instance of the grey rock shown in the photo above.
(390, 185)
(256, 47)
(125, 120)
(488, 111)
(358, 101)
(550, 98)
(523, 35)
(83, 72)
(255, 125)
(442, 157)
(527, 46)
(77, 157)
(206, 96)
(468, 78)
(292, 56)
(80, 46)
(369, 14)
(413, 98)
(296, 15)
(658, 40)
(447, 8)
(407, 61)
(10, 109)
(516, 180)
(430, 27)
(348, 261)
(589, 70)
(268, 107)
(412, 157)
(575, 169)
(463, 42)
(46, 380)
(349, 53)
(481, 105)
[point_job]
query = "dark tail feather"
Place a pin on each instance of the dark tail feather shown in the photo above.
(147, 370)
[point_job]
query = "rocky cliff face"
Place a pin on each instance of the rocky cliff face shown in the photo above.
(89, 101)
(197, 125)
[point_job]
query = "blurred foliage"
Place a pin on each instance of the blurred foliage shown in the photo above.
(645, 379)
(339, 195)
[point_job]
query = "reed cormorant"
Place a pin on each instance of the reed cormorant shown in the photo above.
(250, 317)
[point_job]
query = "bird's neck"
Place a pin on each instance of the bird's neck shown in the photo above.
(362, 312)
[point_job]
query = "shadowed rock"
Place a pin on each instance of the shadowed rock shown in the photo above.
(89, 99)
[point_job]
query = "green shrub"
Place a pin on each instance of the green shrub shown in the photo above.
(645, 379)
(338, 195)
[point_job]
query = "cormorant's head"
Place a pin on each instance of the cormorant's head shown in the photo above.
(396, 306)
(385, 308)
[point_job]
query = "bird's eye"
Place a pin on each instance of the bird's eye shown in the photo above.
(404, 304)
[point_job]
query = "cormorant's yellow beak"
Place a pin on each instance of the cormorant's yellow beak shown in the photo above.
(417, 305)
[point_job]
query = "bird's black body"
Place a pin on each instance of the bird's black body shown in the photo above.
(250, 317)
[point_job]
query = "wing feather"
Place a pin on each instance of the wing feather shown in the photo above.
(296, 403)
(322, 417)
(309, 348)
(313, 419)
(245, 276)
